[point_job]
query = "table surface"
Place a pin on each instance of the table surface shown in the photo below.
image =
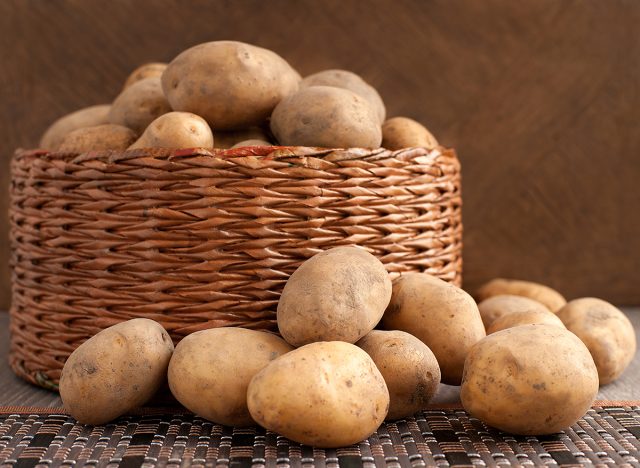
(15, 392)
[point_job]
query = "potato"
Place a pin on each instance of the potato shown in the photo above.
(495, 307)
(409, 369)
(148, 70)
(605, 330)
(337, 295)
(115, 371)
(442, 316)
(402, 132)
(228, 139)
(348, 80)
(139, 105)
(211, 369)
(176, 130)
(252, 143)
(530, 380)
(98, 138)
(327, 394)
(550, 298)
(87, 117)
(230, 84)
(325, 116)
(524, 317)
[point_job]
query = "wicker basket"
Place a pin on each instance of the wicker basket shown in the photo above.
(197, 239)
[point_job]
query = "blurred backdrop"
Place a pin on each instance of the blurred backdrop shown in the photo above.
(540, 98)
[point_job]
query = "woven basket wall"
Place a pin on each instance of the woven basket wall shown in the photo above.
(197, 239)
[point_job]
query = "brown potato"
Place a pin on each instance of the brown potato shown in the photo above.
(402, 132)
(252, 143)
(115, 371)
(328, 117)
(442, 316)
(495, 307)
(550, 298)
(409, 368)
(230, 84)
(532, 380)
(139, 105)
(337, 295)
(148, 70)
(87, 117)
(524, 317)
(348, 80)
(228, 139)
(327, 394)
(605, 330)
(211, 369)
(176, 130)
(98, 138)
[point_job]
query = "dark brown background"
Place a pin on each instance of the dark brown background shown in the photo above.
(541, 98)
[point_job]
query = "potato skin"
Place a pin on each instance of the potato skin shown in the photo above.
(348, 80)
(326, 116)
(147, 70)
(524, 317)
(230, 84)
(495, 307)
(337, 295)
(547, 296)
(98, 138)
(403, 132)
(240, 144)
(409, 369)
(529, 380)
(87, 117)
(231, 138)
(176, 130)
(605, 330)
(439, 314)
(139, 104)
(211, 369)
(115, 371)
(326, 394)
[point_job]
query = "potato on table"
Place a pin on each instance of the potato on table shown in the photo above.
(139, 105)
(98, 138)
(327, 394)
(230, 138)
(547, 296)
(148, 70)
(524, 317)
(605, 330)
(176, 130)
(495, 307)
(439, 314)
(337, 295)
(211, 369)
(87, 117)
(403, 132)
(115, 371)
(531, 380)
(408, 367)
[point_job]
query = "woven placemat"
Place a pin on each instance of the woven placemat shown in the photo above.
(608, 435)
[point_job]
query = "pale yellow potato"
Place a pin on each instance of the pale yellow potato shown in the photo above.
(327, 394)
(548, 297)
(230, 84)
(211, 369)
(439, 314)
(403, 132)
(409, 369)
(98, 138)
(325, 116)
(115, 371)
(524, 317)
(529, 380)
(87, 117)
(348, 80)
(139, 104)
(337, 295)
(605, 330)
(252, 143)
(495, 307)
(230, 138)
(148, 70)
(176, 130)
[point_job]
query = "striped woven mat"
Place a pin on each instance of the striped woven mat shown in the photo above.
(608, 435)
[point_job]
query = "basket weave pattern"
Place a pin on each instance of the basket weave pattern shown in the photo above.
(197, 239)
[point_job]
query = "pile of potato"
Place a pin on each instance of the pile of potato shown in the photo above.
(227, 94)
(527, 361)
